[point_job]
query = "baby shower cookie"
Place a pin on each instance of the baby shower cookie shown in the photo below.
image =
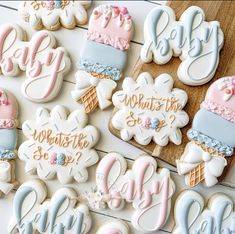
(52, 14)
(109, 33)
(191, 215)
(115, 227)
(59, 144)
(44, 63)
(212, 136)
(33, 212)
(8, 140)
(148, 190)
(195, 41)
(150, 109)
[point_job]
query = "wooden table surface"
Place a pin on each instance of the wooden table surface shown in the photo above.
(72, 40)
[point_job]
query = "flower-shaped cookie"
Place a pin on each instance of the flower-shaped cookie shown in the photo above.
(150, 110)
(60, 145)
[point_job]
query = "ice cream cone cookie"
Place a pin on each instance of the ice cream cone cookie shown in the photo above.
(115, 227)
(59, 144)
(33, 212)
(52, 14)
(8, 141)
(148, 189)
(44, 64)
(212, 136)
(109, 33)
(150, 109)
(194, 40)
(192, 216)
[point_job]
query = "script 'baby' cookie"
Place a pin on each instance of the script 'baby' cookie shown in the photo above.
(191, 215)
(34, 213)
(115, 227)
(44, 64)
(212, 136)
(196, 41)
(52, 14)
(59, 144)
(149, 191)
(150, 109)
(103, 56)
(8, 140)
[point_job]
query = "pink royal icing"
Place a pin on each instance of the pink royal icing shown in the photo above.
(111, 25)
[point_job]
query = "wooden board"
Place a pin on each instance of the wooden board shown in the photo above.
(222, 11)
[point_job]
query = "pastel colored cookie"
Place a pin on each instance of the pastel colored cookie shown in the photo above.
(103, 54)
(149, 191)
(52, 14)
(212, 136)
(44, 64)
(150, 109)
(33, 212)
(59, 144)
(214, 126)
(195, 41)
(111, 25)
(115, 227)
(192, 216)
(8, 141)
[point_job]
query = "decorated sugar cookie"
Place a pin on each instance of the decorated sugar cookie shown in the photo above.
(196, 41)
(44, 63)
(8, 140)
(191, 215)
(149, 191)
(59, 144)
(52, 14)
(150, 109)
(34, 213)
(212, 136)
(115, 227)
(109, 33)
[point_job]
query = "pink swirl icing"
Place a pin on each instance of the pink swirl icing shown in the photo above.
(8, 123)
(222, 111)
(117, 42)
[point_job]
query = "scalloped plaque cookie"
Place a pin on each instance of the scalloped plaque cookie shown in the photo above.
(109, 33)
(34, 213)
(150, 109)
(150, 191)
(195, 41)
(212, 136)
(52, 14)
(191, 215)
(44, 63)
(59, 144)
(8, 140)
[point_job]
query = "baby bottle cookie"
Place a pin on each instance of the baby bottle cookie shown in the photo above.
(103, 56)
(212, 136)
(53, 14)
(8, 140)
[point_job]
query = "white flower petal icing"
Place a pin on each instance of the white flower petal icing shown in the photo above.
(59, 145)
(150, 109)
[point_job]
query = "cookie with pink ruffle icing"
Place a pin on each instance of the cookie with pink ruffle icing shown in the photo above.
(8, 140)
(53, 14)
(109, 33)
(212, 136)
(114, 227)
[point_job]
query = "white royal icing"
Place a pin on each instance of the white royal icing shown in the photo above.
(115, 227)
(44, 64)
(149, 191)
(59, 145)
(194, 40)
(192, 217)
(51, 13)
(61, 214)
(150, 110)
